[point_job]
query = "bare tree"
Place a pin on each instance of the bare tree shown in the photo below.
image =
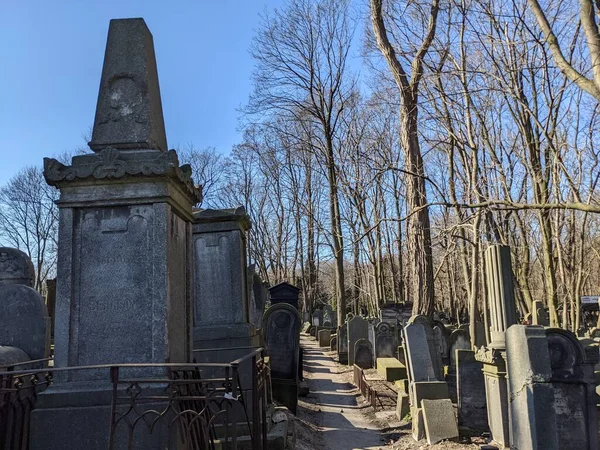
(418, 232)
(29, 219)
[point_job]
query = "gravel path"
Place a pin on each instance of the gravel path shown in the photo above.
(331, 416)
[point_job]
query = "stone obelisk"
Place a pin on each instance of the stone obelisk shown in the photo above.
(124, 253)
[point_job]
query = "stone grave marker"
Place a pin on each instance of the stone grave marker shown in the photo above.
(281, 328)
(16, 267)
(24, 320)
(324, 338)
(342, 343)
(441, 338)
(317, 317)
(363, 354)
(459, 340)
(333, 343)
(357, 329)
(436, 358)
(552, 389)
(386, 340)
(124, 249)
(284, 293)
(472, 408)
(439, 420)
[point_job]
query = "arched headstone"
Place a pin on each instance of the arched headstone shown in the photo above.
(15, 267)
(363, 354)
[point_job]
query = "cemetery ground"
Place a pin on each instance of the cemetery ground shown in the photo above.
(335, 416)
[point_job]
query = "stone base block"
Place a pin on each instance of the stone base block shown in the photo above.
(77, 417)
(429, 390)
(343, 357)
(402, 406)
(391, 369)
(418, 428)
(402, 386)
(285, 392)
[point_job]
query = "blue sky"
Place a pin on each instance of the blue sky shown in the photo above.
(51, 56)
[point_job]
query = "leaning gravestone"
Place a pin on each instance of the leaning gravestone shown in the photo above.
(281, 328)
(124, 284)
(363, 354)
(436, 358)
(357, 329)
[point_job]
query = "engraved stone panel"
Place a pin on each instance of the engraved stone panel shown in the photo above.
(113, 265)
(281, 329)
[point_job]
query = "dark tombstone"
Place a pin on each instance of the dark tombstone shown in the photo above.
(357, 329)
(281, 328)
(441, 338)
(327, 314)
(459, 340)
(552, 392)
(333, 343)
(363, 354)
(342, 343)
(470, 388)
(284, 293)
(24, 321)
(386, 342)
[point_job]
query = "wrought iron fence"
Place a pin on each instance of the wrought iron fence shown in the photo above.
(177, 403)
(366, 390)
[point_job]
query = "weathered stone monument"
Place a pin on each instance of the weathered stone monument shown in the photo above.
(470, 387)
(257, 297)
(552, 389)
(459, 340)
(386, 340)
(124, 251)
(363, 354)
(357, 329)
(221, 312)
(24, 320)
(503, 314)
(284, 293)
(317, 317)
(281, 328)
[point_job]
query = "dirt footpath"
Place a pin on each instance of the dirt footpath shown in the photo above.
(333, 416)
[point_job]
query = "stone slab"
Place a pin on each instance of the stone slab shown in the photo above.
(324, 338)
(439, 420)
(402, 406)
(472, 406)
(429, 390)
(391, 369)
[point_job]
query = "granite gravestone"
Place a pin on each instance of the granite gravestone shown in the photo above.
(124, 249)
(16, 267)
(552, 389)
(363, 354)
(441, 338)
(281, 328)
(257, 297)
(386, 340)
(284, 293)
(435, 356)
(24, 320)
(333, 343)
(357, 329)
(459, 340)
(470, 387)
(342, 343)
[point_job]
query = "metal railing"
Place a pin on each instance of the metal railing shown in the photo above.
(177, 403)
(366, 390)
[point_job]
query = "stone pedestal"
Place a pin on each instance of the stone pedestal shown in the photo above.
(124, 251)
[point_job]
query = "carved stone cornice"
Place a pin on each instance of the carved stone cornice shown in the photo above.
(490, 355)
(112, 164)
